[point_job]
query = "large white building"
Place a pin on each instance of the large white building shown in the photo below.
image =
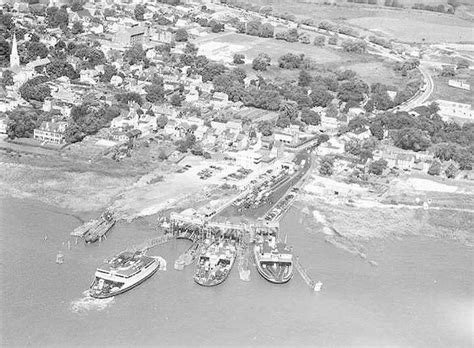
(448, 109)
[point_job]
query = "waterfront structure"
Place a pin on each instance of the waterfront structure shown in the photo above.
(51, 132)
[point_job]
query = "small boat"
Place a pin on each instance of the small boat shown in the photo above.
(179, 265)
(274, 260)
(59, 258)
(122, 273)
(215, 262)
(317, 286)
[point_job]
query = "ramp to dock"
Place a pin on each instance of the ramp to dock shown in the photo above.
(304, 274)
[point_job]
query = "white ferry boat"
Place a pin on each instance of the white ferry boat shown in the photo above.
(274, 260)
(125, 271)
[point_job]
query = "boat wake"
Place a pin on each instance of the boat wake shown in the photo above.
(162, 262)
(88, 303)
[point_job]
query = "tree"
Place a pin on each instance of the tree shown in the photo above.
(77, 5)
(35, 89)
(310, 117)
(154, 93)
(134, 54)
(161, 121)
(320, 96)
(266, 128)
(7, 78)
(176, 99)
(376, 129)
(261, 62)
(216, 27)
(290, 61)
(319, 40)
(77, 28)
(253, 27)
(352, 90)
(127, 97)
(22, 122)
(73, 133)
(463, 64)
(355, 46)
(283, 121)
(412, 139)
(435, 168)
(377, 167)
(304, 78)
(451, 171)
(239, 58)
(448, 71)
(181, 35)
(326, 167)
(139, 12)
(211, 71)
(37, 49)
(266, 30)
(109, 71)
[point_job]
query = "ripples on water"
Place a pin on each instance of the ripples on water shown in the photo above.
(88, 303)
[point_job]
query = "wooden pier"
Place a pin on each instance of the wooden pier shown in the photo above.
(96, 229)
(316, 286)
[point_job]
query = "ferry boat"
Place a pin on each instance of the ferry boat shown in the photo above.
(274, 260)
(215, 262)
(122, 273)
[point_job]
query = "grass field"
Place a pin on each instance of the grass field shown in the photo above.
(223, 46)
(416, 29)
(402, 24)
(443, 91)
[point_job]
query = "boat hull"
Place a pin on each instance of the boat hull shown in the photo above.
(267, 275)
(127, 288)
(211, 282)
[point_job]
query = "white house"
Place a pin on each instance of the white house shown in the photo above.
(333, 146)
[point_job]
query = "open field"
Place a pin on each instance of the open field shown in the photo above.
(402, 24)
(415, 30)
(222, 47)
(445, 92)
(356, 214)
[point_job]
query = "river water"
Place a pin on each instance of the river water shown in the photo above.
(419, 295)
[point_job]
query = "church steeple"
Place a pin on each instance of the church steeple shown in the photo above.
(14, 57)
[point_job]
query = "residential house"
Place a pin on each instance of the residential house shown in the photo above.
(333, 146)
(122, 136)
(51, 132)
(200, 132)
(220, 99)
(129, 36)
(192, 96)
(246, 158)
(329, 122)
(3, 125)
(396, 159)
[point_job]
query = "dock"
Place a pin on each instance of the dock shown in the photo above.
(151, 243)
(243, 263)
(316, 286)
(95, 229)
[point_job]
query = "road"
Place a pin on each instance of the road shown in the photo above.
(254, 213)
(423, 95)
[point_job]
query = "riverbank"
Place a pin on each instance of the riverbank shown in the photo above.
(412, 298)
(349, 215)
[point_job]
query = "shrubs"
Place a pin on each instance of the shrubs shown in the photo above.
(354, 46)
